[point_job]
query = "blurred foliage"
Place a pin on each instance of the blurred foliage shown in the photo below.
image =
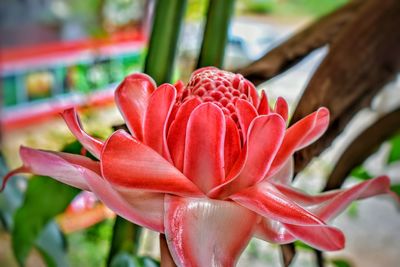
(44, 199)
(128, 260)
(361, 173)
(90, 247)
(341, 263)
(315, 8)
(394, 154)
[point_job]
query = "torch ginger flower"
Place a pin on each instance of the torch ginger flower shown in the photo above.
(208, 164)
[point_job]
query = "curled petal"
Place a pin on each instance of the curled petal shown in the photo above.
(246, 114)
(155, 127)
(264, 138)
(267, 201)
(90, 143)
(179, 85)
(282, 108)
(132, 97)
(263, 107)
(285, 173)
(273, 232)
(129, 164)
(64, 167)
(143, 208)
(205, 232)
(177, 132)
(301, 134)
(232, 145)
(328, 205)
(204, 150)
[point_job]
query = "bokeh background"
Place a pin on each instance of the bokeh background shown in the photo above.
(57, 54)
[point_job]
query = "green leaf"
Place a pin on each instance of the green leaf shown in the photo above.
(396, 188)
(160, 58)
(341, 263)
(301, 245)
(126, 237)
(125, 259)
(394, 154)
(215, 33)
(44, 199)
(51, 245)
(361, 173)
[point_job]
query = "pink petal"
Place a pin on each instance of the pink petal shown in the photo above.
(205, 232)
(328, 205)
(267, 201)
(252, 93)
(263, 107)
(177, 132)
(273, 232)
(90, 143)
(129, 164)
(155, 126)
(132, 97)
(282, 108)
(246, 114)
(232, 144)
(179, 85)
(204, 151)
(63, 167)
(301, 134)
(143, 208)
(264, 139)
(285, 173)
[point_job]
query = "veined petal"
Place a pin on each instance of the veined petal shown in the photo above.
(129, 164)
(155, 126)
(267, 201)
(263, 141)
(246, 114)
(282, 108)
(177, 132)
(63, 167)
(301, 134)
(204, 149)
(132, 97)
(143, 208)
(263, 107)
(222, 229)
(232, 145)
(91, 144)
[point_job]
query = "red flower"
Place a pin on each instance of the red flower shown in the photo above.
(208, 164)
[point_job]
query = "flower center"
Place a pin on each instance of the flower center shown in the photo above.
(219, 87)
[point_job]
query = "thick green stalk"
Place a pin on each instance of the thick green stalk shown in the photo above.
(215, 33)
(168, 18)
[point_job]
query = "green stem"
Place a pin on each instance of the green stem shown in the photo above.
(215, 33)
(168, 18)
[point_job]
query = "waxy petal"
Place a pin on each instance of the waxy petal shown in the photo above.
(132, 97)
(263, 107)
(282, 108)
(260, 152)
(273, 232)
(204, 150)
(177, 132)
(63, 167)
(129, 164)
(143, 208)
(90, 143)
(285, 173)
(155, 126)
(328, 205)
(301, 134)
(232, 145)
(267, 201)
(205, 232)
(246, 114)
